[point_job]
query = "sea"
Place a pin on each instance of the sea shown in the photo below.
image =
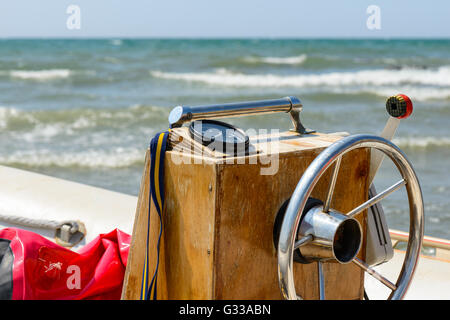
(85, 110)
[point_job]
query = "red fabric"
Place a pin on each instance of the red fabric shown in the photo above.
(45, 270)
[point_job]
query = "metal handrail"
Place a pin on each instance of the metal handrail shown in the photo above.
(427, 240)
(183, 114)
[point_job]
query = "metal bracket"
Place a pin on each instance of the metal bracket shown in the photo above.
(296, 109)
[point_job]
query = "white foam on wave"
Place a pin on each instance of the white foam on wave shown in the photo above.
(278, 60)
(416, 93)
(121, 157)
(40, 75)
(422, 142)
(380, 77)
(7, 113)
(116, 42)
(116, 158)
(44, 132)
(35, 127)
(45, 124)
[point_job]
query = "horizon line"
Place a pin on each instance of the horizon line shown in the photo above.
(217, 38)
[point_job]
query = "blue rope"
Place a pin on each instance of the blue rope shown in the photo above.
(157, 151)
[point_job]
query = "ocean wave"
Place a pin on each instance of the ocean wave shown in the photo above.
(44, 123)
(116, 158)
(379, 77)
(416, 93)
(46, 132)
(48, 123)
(7, 113)
(278, 60)
(422, 142)
(116, 42)
(40, 75)
(10, 115)
(121, 157)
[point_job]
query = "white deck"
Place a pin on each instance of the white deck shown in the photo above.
(39, 196)
(431, 279)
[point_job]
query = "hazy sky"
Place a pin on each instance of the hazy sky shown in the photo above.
(226, 18)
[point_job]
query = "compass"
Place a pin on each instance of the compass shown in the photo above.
(220, 136)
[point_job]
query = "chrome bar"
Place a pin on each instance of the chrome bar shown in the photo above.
(334, 174)
(303, 241)
(427, 240)
(321, 281)
(183, 114)
(376, 199)
(374, 274)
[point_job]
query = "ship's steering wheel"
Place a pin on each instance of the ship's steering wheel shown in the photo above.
(288, 241)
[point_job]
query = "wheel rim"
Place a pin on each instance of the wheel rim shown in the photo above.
(305, 186)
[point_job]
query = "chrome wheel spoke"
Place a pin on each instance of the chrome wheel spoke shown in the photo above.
(321, 281)
(374, 274)
(376, 199)
(334, 174)
(303, 241)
